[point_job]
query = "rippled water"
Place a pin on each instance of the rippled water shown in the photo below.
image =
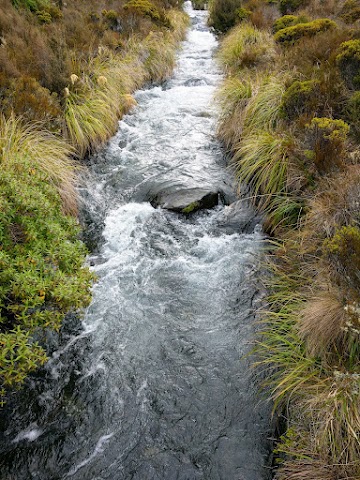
(154, 384)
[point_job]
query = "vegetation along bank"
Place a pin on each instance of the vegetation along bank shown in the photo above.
(67, 71)
(291, 124)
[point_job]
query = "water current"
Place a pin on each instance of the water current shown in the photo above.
(154, 383)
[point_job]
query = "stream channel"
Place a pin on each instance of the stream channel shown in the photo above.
(154, 383)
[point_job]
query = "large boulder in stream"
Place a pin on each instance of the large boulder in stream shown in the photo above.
(188, 200)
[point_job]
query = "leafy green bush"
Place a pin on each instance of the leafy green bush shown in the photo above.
(352, 112)
(288, 21)
(327, 139)
(299, 98)
(222, 14)
(110, 18)
(288, 6)
(32, 5)
(350, 11)
(290, 35)
(41, 259)
(242, 14)
(344, 252)
(144, 8)
(348, 60)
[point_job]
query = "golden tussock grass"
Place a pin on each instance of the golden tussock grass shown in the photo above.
(246, 47)
(322, 322)
(45, 151)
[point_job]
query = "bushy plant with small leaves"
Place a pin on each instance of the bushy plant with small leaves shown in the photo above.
(288, 21)
(42, 276)
(290, 35)
(327, 139)
(348, 60)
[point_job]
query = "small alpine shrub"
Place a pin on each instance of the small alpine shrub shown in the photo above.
(348, 60)
(327, 139)
(350, 11)
(290, 35)
(242, 14)
(41, 258)
(344, 253)
(288, 6)
(288, 21)
(222, 14)
(299, 98)
(352, 112)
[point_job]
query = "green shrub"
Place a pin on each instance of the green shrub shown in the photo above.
(110, 18)
(41, 258)
(348, 60)
(344, 252)
(350, 11)
(222, 14)
(352, 112)
(300, 98)
(242, 14)
(143, 8)
(290, 35)
(43, 16)
(288, 21)
(288, 6)
(32, 5)
(327, 140)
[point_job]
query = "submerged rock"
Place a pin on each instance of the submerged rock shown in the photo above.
(239, 217)
(188, 200)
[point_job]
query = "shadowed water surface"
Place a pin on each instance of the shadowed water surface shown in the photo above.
(154, 384)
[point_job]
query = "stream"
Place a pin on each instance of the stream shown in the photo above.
(155, 384)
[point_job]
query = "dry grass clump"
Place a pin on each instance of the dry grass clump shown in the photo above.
(46, 152)
(335, 204)
(233, 97)
(322, 322)
(246, 47)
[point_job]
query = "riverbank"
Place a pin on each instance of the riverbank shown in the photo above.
(290, 123)
(67, 75)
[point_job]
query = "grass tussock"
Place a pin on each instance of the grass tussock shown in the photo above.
(46, 153)
(322, 323)
(246, 47)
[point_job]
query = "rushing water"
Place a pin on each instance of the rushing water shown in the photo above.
(154, 385)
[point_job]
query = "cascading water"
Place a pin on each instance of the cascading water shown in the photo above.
(155, 385)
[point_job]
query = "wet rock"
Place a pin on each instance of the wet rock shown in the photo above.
(239, 217)
(188, 200)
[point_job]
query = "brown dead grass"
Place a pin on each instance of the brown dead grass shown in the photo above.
(322, 323)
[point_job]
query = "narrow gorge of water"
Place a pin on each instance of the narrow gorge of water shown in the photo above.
(154, 384)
